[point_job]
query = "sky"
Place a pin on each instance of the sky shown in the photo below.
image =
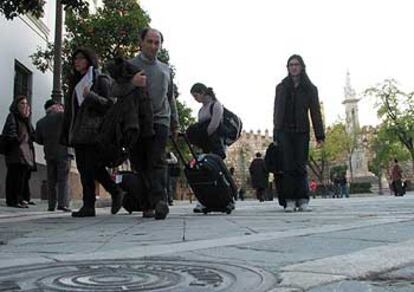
(240, 49)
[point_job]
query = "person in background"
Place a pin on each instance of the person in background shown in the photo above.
(259, 176)
(396, 178)
(20, 155)
(296, 96)
(48, 131)
(313, 185)
(173, 174)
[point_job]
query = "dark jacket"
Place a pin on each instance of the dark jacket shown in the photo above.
(132, 97)
(81, 125)
(48, 132)
(292, 106)
(20, 136)
(259, 174)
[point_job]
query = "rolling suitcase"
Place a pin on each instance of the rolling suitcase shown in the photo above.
(210, 180)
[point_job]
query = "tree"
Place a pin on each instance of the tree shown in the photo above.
(335, 147)
(385, 148)
(13, 8)
(396, 110)
(112, 31)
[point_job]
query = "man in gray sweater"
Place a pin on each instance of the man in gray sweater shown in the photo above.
(148, 156)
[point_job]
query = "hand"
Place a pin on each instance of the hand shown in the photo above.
(86, 91)
(139, 79)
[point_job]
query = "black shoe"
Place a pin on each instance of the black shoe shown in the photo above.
(161, 210)
(84, 212)
(148, 213)
(170, 203)
(64, 209)
(21, 205)
(51, 209)
(117, 200)
(31, 203)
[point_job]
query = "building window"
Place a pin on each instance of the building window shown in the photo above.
(22, 81)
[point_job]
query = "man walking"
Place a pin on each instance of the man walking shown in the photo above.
(148, 156)
(259, 175)
(57, 157)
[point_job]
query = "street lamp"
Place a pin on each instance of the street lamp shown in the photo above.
(57, 55)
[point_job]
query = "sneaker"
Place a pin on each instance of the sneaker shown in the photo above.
(64, 209)
(31, 203)
(84, 212)
(161, 210)
(199, 208)
(117, 200)
(290, 206)
(304, 206)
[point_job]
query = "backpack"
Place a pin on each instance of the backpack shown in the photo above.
(273, 159)
(231, 126)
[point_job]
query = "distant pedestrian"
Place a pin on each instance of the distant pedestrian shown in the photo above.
(343, 185)
(206, 132)
(396, 178)
(173, 174)
(313, 185)
(87, 102)
(20, 155)
(48, 131)
(259, 176)
(296, 96)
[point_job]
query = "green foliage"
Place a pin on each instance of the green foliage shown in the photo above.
(359, 188)
(385, 146)
(13, 8)
(396, 110)
(112, 31)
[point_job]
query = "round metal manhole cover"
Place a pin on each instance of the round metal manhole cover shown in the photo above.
(136, 275)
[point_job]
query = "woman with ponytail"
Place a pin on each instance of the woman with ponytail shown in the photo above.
(206, 133)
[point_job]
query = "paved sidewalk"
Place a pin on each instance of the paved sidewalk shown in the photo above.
(356, 244)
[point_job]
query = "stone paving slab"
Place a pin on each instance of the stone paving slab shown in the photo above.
(356, 244)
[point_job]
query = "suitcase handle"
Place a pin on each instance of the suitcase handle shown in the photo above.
(180, 154)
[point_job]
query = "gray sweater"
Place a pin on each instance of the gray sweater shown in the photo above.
(160, 89)
(211, 110)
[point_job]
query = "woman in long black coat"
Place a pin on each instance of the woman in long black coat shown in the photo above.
(85, 107)
(296, 96)
(20, 156)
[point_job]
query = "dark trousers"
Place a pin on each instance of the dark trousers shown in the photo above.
(260, 194)
(148, 158)
(17, 184)
(57, 177)
(197, 134)
(90, 170)
(171, 187)
(293, 180)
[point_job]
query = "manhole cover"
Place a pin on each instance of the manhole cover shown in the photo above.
(136, 275)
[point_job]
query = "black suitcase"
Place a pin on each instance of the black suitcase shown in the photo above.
(133, 184)
(210, 180)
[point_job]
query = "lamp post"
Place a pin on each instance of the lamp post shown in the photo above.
(57, 55)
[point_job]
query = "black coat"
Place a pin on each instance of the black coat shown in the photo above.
(81, 125)
(48, 132)
(292, 106)
(259, 174)
(19, 135)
